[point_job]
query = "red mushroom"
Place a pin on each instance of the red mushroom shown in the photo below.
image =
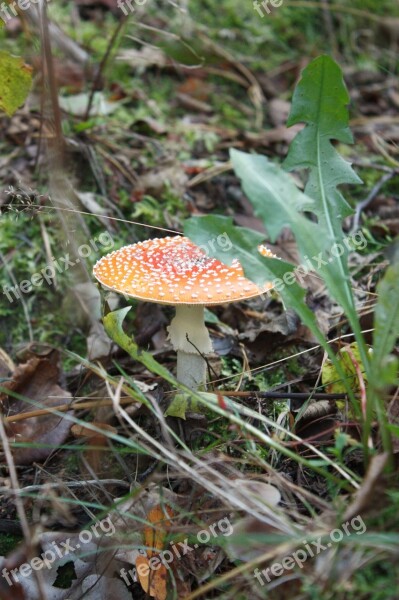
(173, 270)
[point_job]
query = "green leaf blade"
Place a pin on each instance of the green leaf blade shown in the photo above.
(113, 325)
(320, 101)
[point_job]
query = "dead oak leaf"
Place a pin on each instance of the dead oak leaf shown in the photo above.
(37, 381)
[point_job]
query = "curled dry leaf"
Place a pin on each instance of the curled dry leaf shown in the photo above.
(153, 574)
(37, 381)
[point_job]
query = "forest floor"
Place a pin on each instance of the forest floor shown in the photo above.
(149, 107)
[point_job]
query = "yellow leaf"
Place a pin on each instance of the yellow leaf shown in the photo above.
(332, 381)
(15, 82)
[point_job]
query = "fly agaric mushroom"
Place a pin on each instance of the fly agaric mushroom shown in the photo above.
(173, 270)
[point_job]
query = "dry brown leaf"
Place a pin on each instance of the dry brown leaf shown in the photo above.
(36, 380)
(154, 580)
(155, 534)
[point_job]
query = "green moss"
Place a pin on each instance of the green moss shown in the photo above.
(8, 543)
(66, 575)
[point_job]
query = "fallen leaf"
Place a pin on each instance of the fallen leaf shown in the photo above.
(36, 380)
(152, 581)
(317, 425)
(98, 343)
(94, 565)
(330, 377)
(16, 81)
(155, 534)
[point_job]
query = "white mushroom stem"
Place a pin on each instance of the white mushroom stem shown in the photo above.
(190, 338)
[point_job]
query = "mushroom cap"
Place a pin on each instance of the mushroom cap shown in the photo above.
(173, 270)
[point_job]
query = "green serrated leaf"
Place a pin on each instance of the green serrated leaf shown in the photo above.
(276, 199)
(15, 82)
(320, 100)
(279, 203)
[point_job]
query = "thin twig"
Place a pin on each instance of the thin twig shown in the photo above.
(286, 358)
(103, 63)
(330, 28)
(284, 395)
